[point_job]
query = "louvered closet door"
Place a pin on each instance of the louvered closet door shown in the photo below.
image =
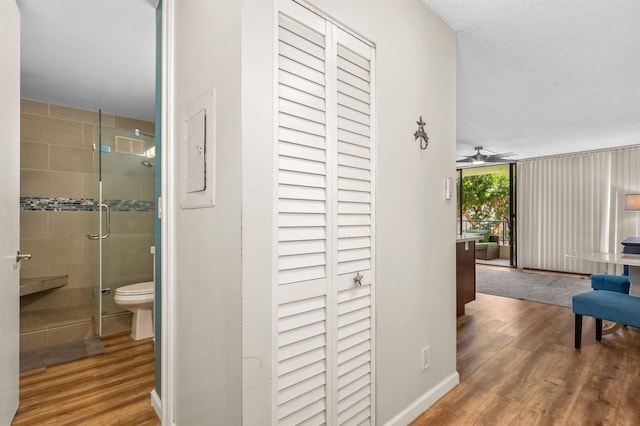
(354, 231)
(324, 189)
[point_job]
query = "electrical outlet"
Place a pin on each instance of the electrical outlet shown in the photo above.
(425, 358)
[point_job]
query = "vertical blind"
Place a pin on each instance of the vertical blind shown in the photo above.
(575, 203)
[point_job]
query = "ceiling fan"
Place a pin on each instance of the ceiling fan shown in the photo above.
(485, 156)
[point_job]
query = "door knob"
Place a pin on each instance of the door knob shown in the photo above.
(20, 256)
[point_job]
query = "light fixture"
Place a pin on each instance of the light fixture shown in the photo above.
(632, 202)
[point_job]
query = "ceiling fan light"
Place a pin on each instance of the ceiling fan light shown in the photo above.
(477, 162)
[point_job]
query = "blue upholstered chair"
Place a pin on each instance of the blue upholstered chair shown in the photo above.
(616, 283)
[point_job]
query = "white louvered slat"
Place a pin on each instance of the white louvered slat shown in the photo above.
(301, 44)
(301, 84)
(354, 150)
(294, 349)
(292, 407)
(301, 361)
(301, 274)
(353, 92)
(324, 190)
(301, 387)
(296, 62)
(302, 223)
(353, 138)
(286, 381)
(300, 97)
(353, 115)
(301, 124)
(301, 111)
(301, 151)
(303, 413)
(353, 103)
(301, 247)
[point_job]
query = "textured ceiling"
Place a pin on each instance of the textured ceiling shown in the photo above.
(545, 77)
(90, 54)
(534, 77)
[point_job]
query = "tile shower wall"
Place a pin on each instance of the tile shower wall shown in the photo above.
(57, 193)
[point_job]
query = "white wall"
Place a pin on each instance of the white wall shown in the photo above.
(415, 297)
(415, 293)
(207, 304)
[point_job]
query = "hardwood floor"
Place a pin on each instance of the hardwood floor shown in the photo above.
(106, 389)
(518, 366)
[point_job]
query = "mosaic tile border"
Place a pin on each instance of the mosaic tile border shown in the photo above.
(58, 204)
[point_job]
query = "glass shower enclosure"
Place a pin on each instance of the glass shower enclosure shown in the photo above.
(123, 218)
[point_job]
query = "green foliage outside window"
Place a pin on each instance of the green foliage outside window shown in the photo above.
(486, 198)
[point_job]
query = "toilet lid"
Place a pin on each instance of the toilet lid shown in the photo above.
(138, 288)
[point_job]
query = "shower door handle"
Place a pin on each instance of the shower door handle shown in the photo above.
(108, 224)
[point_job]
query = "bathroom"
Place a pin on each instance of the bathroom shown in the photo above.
(66, 155)
(87, 137)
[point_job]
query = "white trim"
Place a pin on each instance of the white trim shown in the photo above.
(334, 21)
(275, 291)
(331, 200)
(373, 149)
(156, 403)
(168, 221)
(425, 401)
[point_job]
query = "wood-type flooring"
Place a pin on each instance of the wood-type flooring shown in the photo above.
(518, 366)
(112, 388)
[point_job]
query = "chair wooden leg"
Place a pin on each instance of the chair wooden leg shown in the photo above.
(598, 329)
(578, 339)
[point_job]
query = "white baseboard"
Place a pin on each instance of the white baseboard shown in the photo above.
(156, 403)
(425, 401)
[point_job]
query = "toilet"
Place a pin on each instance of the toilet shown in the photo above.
(138, 298)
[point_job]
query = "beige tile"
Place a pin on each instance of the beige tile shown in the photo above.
(73, 114)
(69, 159)
(34, 224)
(90, 186)
(108, 120)
(65, 250)
(82, 277)
(89, 135)
(35, 128)
(33, 340)
(36, 183)
(147, 189)
(71, 224)
(34, 155)
(31, 270)
(116, 324)
(132, 223)
(57, 299)
(131, 123)
(107, 163)
(119, 188)
(29, 106)
(71, 333)
(131, 165)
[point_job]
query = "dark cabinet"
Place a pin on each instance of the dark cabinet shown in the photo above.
(465, 274)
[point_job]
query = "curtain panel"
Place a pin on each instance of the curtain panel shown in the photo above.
(575, 203)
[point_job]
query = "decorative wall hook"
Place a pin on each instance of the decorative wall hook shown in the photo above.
(421, 134)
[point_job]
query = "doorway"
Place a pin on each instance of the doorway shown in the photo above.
(486, 206)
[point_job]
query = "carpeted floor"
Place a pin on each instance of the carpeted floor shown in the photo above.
(30, 360)
(535, 287)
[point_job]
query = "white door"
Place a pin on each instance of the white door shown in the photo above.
(325, 274)
(9, 205)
